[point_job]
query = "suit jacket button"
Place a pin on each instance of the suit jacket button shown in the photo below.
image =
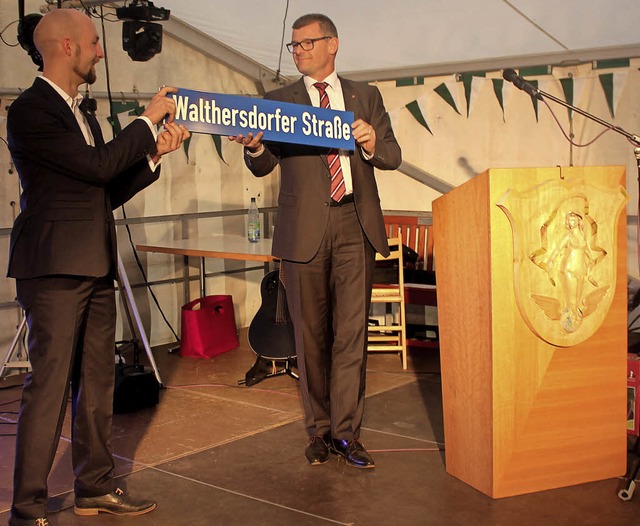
(326, 203)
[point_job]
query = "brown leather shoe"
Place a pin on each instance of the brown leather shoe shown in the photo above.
(317, 451)
(116, 503)
(354, 453)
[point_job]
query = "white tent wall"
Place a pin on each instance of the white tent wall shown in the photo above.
(201, 183)
(458, 148)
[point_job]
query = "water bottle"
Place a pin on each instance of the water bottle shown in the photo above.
(253, 223)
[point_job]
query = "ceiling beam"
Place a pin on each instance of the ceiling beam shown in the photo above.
(425, 177)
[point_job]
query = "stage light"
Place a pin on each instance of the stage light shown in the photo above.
(141, 40)
(26, 26)
(141, 37)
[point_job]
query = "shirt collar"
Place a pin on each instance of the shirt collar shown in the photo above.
(71, 101)
(332, 80)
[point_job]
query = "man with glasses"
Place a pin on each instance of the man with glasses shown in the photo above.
(328, 227)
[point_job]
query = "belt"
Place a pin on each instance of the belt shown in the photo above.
(344, 201)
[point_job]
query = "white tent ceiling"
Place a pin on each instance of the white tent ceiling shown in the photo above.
(383, 39)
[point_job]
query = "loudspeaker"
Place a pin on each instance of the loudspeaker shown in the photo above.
(136, 387)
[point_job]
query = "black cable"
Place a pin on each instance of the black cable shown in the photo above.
(106, 69)
(144, 277)
(284, 28)
(567, 136)
(3, 30)
(93, 13)
(124, 213)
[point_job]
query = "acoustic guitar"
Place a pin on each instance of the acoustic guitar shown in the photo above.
(271, 330)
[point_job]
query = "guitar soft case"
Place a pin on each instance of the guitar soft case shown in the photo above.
(271, 331)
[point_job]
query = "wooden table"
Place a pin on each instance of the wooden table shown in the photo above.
(220, 247)
(229, 247)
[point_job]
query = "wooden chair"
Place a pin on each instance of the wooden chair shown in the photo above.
(415, 230)
(390, 336)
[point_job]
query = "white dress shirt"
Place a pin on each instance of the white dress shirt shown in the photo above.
(74, 105)
(336, 101)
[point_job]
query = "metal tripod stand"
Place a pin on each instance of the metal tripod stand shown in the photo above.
(23, 362)
(129, 303)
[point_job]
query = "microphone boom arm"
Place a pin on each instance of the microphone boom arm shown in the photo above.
(635, 139)
(535, 93)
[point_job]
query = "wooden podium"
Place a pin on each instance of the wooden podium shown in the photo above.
(532, 402)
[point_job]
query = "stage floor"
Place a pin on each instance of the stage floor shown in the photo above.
(215, 453)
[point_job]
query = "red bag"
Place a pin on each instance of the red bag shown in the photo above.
(208, 327)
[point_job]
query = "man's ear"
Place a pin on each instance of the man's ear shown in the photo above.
(67, 46)
(333, 45)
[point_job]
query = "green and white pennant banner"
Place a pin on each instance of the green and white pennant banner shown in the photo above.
(396, 121)
(508, 89)
(498, 90)
(567, 89)
(572, 87)
(579, 87)
(448, 90)
(418, 108)
(472, 83)
(613, 85)
(503, 95)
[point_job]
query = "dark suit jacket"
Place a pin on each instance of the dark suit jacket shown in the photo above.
(303, 202)
(66, 223)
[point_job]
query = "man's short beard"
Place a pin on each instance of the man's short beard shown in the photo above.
(89, 77)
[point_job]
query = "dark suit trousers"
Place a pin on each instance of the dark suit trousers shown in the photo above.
(329, 300)
(71, 341)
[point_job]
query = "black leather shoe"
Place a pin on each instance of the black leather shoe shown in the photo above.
(317, 451)
(354, 453)
(116, 503)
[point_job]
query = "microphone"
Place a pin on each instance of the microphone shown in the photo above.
(520, 83)
(89, 104)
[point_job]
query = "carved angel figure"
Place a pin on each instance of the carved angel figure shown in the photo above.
(568, 265)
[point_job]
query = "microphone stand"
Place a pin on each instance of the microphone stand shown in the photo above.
(627, 491)
(634, 139)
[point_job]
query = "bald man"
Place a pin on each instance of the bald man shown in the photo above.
(63, 257)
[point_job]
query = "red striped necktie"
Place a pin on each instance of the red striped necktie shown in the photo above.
(333, 156)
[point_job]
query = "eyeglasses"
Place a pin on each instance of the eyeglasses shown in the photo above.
(306, 45)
